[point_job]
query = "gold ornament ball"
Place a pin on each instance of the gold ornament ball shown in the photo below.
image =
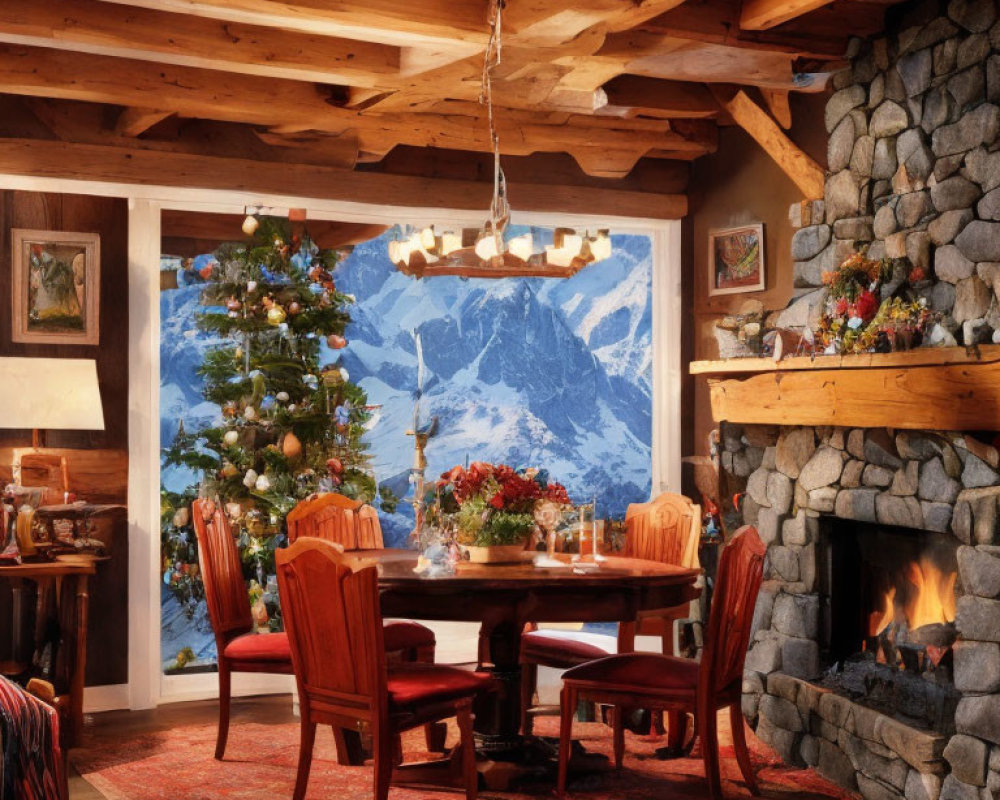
(276, 315)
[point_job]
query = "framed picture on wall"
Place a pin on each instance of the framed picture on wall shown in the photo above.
(56, 287)
(736, 259)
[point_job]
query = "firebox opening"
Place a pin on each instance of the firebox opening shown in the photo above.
(887, 618)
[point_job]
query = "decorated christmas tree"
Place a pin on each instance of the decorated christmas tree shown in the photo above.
(289, 426)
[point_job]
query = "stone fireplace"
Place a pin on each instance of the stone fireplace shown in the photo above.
(876, 649)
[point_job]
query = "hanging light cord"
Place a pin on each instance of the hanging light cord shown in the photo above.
(499, 207)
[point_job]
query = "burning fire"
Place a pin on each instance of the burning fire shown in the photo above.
(932, 601)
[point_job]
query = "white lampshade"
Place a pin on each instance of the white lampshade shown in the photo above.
(600, 246)
(450, 242)
(486, 247)
(522, 246)
(51, 394)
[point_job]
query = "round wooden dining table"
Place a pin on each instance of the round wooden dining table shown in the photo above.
(503, 597)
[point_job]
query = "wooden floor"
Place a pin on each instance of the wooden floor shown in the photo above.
(271, 710)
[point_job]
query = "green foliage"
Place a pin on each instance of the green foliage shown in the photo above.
(505, 527)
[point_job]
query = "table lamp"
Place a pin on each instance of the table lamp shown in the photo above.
(50, 393)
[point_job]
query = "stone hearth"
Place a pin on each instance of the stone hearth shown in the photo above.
(935, 481)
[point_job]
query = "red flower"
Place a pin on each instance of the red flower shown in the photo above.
(497, 501)
(840, 307)
(866, 305)
(917, 274)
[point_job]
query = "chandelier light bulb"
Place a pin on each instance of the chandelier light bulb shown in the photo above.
(450, 242)
(250, 225)
(600, 246)
(523, 246)
(486, 246)
(427, 240)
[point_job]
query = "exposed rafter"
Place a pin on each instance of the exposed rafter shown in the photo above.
(131, 165)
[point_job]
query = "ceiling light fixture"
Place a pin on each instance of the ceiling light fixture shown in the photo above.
(491, 251)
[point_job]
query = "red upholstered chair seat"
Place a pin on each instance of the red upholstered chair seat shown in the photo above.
(561, 648)
(259, 647)
(646, 672)
(406, 635)
(425, 684)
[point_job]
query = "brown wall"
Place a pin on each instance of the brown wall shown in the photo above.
(736, 185)
(108, 639)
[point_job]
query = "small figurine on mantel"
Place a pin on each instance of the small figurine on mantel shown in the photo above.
(741, 335)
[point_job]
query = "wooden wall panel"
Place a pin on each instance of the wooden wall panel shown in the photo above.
(108, 639)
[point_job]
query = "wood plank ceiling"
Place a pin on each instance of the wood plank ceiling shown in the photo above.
(377, 100)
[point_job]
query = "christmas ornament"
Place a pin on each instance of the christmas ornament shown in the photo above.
(294, 307)
(336, 341)
(335, 465)
(228, 470)
(250, 413)
(291, 446)
(263, 483)
(282, 397)
(250, 225)
(291, 408)
(231, 437)
(276, 315)
(250, 479)
(251, 286)
(182, 516)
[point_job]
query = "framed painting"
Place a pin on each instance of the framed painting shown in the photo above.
(56, 287)
(736, 259)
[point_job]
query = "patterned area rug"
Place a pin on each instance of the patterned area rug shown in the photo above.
(178, 763)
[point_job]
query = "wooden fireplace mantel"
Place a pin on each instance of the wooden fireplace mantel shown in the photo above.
(948, 388)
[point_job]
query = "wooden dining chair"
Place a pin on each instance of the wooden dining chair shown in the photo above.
(355, 526)
(667, 530)
(239, 648)
(338, 649)
(652, 680)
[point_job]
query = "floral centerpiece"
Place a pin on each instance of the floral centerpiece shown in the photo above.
(494, 505)
(857, 320)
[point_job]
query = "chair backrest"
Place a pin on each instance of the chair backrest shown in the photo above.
(336, 518)
(737, 583)
(337, 645)
(666, 529)
(221, 572)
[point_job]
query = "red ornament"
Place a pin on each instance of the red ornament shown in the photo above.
(335, 465)
(336, 341)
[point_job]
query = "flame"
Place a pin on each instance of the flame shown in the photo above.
(878, 621)
(935, 597)
(932, 601)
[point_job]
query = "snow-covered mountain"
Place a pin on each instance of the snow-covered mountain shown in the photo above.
(546, 372)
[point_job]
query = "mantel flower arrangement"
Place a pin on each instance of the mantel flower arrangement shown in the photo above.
(495, 504)
(857, 320)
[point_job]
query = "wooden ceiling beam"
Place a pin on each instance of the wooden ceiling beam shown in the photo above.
(132, 165)
(461, 24)
(136, 121)
(553, 22)
(717, 22)
(671, 99)
(799, 167)
(759, 15)
(95, 27)
(205, 228)
(295, 106)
